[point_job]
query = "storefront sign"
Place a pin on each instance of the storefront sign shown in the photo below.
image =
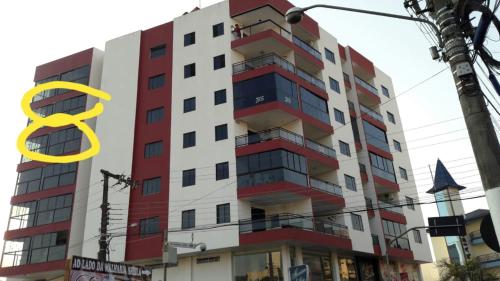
(85, 269)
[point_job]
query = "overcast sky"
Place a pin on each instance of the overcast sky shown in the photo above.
(36, 32)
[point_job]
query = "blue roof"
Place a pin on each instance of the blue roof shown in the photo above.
(443, 179)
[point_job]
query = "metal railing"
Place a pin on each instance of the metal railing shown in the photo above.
(390, 207)
(371, 113)
(311, 79)
(323, 149)
(262, 26)
(384, 174)
(267, 135)
(306, 47)
(326, 186)
(366, 85)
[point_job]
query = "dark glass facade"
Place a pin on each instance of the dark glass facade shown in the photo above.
(382, 167)
(376, 136)
(314, 106)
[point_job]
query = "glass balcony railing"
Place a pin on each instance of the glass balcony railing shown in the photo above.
(323, 149)
(306, 47)
(400, 243)
(383, 174)
(267, 135)
(311, 79)
(272, 176)
(326, 186)
(366, 85)
(281, 221)
(260, 27)
(390, 207)
(371, 113)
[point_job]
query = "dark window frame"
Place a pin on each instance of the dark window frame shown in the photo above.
(391, 117)
(155, 115)
(151, 186)
(221, 132)
(334, 84)
(153, 149)
(220, 97)
(189, 70)
(189, 39)
(339, 116)
(350, 182)
(222, 171)
(218, 29)
(223, 213)
(189, 104)
(157, 51)
(189, 139)
(149, 226)
(219, 61)
(344, 148)
(329, 55)
(357, 222)
(188, 177)
(188, 220)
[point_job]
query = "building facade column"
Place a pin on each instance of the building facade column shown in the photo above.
(298, 256)
(334, 259)
(286, 262)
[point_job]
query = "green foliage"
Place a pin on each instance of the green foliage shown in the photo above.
(471, 271)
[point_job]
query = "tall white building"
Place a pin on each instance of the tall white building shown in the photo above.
(273, 144)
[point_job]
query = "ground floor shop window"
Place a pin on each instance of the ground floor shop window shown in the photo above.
(347, 269)
(319, 267)
(258, 267)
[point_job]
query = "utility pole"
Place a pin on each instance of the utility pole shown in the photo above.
(479, 125)
(103, 237)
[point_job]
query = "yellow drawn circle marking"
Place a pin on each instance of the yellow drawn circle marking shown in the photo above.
(61, 119)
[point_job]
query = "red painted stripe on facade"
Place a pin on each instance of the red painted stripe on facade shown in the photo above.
(263, 35)
(31, 231)
(342, 52)
(64, 64)
(373, 121)
(268, 190)
(43, 194)
(376, 250)
(361, 61)
(31, 268)
(151, 246)
(386, 183)
(400, 253)
(388, 215)
(374, 99)
(379, 151)
(324, 198)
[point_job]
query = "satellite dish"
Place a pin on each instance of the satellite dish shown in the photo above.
(488, 234)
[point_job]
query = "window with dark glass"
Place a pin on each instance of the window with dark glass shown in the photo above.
(409, 203)
(391, 118)
(266, 265)
(329, 55)
(48, 247)
(218, 29)
(79, 75)
(149, 226)
(188, 177)
(54, 209)
(219, 62)
(58, 175)
(156, 82)
(157, 51)
(271, 166)
(221, 132)
(392, 230)
(220, 97)
(155, 115)
(189, 70)
(22, 215)
(397, 145)
(417, 237)
(222, 171)
(314, 106)
(402, 172)
(223, 213)
(375, 136)
(153, 149)
(334, 84)
(151, 186)
(385, 91)
(189, 139)
(189, 39)
(344, 148)
(188, 219)
(357, 222)
(339, 116)
(382, 167)
(190, 104)
(350, 182)
(264, 89)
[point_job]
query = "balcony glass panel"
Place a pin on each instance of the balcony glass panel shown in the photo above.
(267, 135)
(272, 176)
(260, 27)
(311, 79)
(323, 149)
(366, 85)
(265, 60)
(314, 106)
(382, 167)
(371, 113)
(390, 207)
(326, 186)
(306, 47)
(375, 136)
(264, 89)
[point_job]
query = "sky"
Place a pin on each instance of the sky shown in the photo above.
(36, 32)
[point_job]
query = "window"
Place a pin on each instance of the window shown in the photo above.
(151, 186)
(188, 177)
(409, 203)
(157, 51)
(397, 145)
(189, 70)
(223, 213)
(189, 140)
(48, 247)
(218, 29)
(402, 172)
(344, 148)
(54, 209)
(385, 91)
(382, 167)
(156, 82)
(188, 219)
(149, 226)
(314, 106)
(376, 136)
(189, 104)
(394, 229)
(189, 39)
(153, 149)
(219, 62)
(221, 132)
(334, 85)
(260, 264)
(155, 115)
(350, 182)
(58, 175)
(222, 171)
(357, 222)
(220, 97)
(417, 237)
(391, 118)
(330, 55)
(339, 116)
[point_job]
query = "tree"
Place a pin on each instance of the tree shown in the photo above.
(471, 271)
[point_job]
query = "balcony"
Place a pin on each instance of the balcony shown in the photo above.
(399, 249)
(385, 182)
(367, 93)
(373, 117)
(489, 260)
(294, 229)
(306, 47)
(307, 56)
(391, 212)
